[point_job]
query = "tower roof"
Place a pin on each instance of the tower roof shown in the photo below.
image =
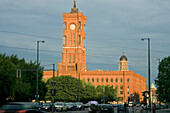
(74, 9)
(123, 57)
(153, 86)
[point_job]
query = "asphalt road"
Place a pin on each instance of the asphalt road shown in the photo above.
(131, 110)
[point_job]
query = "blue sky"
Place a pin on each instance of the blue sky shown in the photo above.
(113, 27)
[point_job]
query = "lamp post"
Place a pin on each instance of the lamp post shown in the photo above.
(148, 70)
(37, 69)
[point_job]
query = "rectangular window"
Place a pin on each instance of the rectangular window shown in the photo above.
(71, 39)
(73, 58)
(79, 40)
(69, 58)
(121, 92)
(84, 42)
(107, 80)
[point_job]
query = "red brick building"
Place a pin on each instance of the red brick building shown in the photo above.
(74, 60)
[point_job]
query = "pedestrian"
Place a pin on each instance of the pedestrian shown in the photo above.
(153, 106)
(93, 106)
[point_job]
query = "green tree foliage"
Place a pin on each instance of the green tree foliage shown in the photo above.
(21, 89)
(105, 93)
(163, 80)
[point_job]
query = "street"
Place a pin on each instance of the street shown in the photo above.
(131, 110)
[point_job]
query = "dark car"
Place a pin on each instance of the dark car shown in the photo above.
(106, 108)
(20, 107)
(46, 107)
(80, 106)
(120, 108)
(71, 106)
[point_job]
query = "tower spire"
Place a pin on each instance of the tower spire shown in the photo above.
(74, 9)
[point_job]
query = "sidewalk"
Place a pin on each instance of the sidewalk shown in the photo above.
(157, 111)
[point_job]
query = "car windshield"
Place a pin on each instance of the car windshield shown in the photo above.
(58, 103)
(46, 104)
(69, 103)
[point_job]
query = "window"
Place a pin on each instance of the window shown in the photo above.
(102, 79)
(121, 87)
(121, 92)
(71, 39)
(106, 79)
(79, 40)
(88, 79)
(128, 80)
(111, 79)
(92, 79)
(79, 25)
(73, 58)
(84, 42)
(97, 79)
(116, 80)
(128, 92)
(121, 80)
(128, 87)
(69, 58)
(64, 26)
(64, 40)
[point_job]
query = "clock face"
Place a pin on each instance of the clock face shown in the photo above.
(72, 26)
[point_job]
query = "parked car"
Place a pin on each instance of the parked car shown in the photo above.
(120, 107)
(60, 106)
(71, 106)
(80, 106)
(20, 107)
(131, 104)
(106, 108)
(145, 107)
(47, 107)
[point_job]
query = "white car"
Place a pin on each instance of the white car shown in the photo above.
(59, 106)
(130, 104)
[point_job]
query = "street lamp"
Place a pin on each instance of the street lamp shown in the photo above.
(148, 69)
(37, 69)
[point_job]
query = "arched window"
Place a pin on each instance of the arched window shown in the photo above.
(106, 79)
(97, 79)
(111, 79)
(79, 25)
(92, 79)
(128, 80)
(71, 39)
(116, 80)
(121, 80)
(64, 40)
(88, 80)
(79, 41)
(64, 25)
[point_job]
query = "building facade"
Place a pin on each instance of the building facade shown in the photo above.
(74, 60)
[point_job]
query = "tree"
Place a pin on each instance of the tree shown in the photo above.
(21, 89)
(7, 78)
(163, 80)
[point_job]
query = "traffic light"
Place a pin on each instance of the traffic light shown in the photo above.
(18, 73)
(145, 101)
(76, 66)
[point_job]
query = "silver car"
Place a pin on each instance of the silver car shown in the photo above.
(60, 106)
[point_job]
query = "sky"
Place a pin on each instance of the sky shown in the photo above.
(113, 27)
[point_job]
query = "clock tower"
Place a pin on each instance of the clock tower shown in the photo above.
(73, 41)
